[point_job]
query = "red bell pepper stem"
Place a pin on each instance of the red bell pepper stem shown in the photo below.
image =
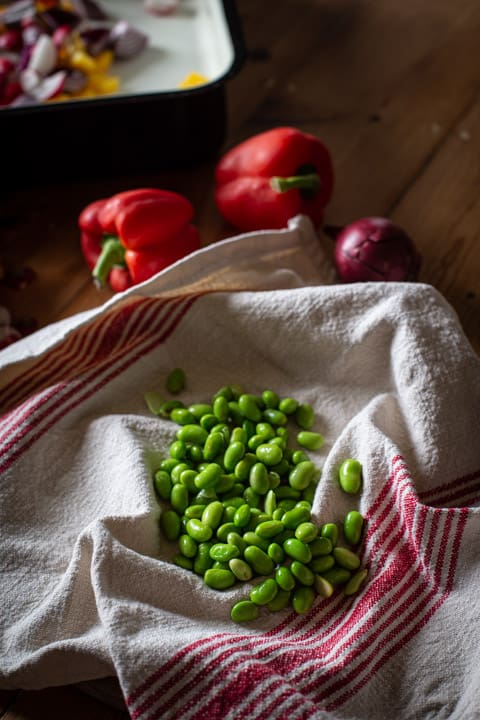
(310, 181)
(113, 253)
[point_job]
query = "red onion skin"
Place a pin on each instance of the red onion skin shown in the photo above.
(375, 249)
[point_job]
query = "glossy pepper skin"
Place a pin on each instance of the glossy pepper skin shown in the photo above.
(127, 238)
(266, 180)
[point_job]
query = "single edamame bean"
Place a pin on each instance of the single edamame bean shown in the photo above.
(163, 484)
(154, 401)
(269, 454)
(209, 477)
(200, 409)
(299, 456)
(350, 476)
(264, 592)
(170, 405)
(175, 381)
(214, 445)
(244, 611)
(288, 405)
(270, 399)
(221, 409)
(236, 539)
(355, 582)
(191, 433)
(276, 552)
(212, 514)
(285, 492)
(270, 501)
(295, 516)
(207, 422)
(302, 475)
(269, 528)
(194, 511)
(321, 564)
(170, 524)
(243, 467)
(280, 601)
(234, 412)
(258, 560)
(224, 529)
(203, 561)
(303, 599)
(178, 450)
(284, 578)
(249, 407)
(219, 579)
(254, 442)
(310, 440)
(265, 430)
(182, 416)
(188, 546)
(321, 546)
(275, 417)
(302, 573)
(187, 478)
(179, 498)
(240, 569)
(330, 531)
(242, 516)
(346, 558)
(297, 550)
(306, 532)
(233, 454)
(251, 538)
(305, 416)
(258, 479)
(337, 576)
(182, 561)
(252, 498)
(323, 587)
(198, 530)
(239, 434)
(353, 526)
(223, 552)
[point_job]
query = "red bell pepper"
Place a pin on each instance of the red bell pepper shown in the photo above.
(265, 180)
(132, 235)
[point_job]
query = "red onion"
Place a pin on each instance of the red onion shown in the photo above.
(374, 249)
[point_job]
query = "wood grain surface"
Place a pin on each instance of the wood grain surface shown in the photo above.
(391, 87)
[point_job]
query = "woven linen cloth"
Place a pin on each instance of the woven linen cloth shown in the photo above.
(88, 589)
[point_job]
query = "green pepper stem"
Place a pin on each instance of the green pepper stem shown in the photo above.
(310, 181)
(113, 253)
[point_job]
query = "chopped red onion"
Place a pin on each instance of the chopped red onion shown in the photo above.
(96, 39)
(17, 11)
(161, 7)
(49, 86)
(43, 58)
(88, 9)
(127, 41)
(75, 81)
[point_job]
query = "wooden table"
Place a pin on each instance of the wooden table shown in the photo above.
(392, 89)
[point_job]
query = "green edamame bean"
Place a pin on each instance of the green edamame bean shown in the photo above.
(252, 498)
(198, 530)
(278, 513)
(264, 592)
(258, 560)
(225, 391)
(276, 552)
(274, 479)
(236, 491)
(203, 561)
(321, 546)
(244, 611)
(302, 573)
(221, 409)
(233, 454)
(240, 569)
(321, 564)
(175, 381)
(154, 401)
(280, 601)
(194, 511)
(258, 479)
(162, 484)
(191, 433)
(182, 416)
(269, 528)
(251, 538)
(323, 587)
(170, 405)
(285, 492)
(270, 503)
(353, 526)
(239, 434)
(234, 412)
(179, 498)
(310, 440)
(305, 416)
(223, 552)
(212, 514)
(302, 475)
(168, 464)
(355, 582)
(242, 516)
(209, 477)
(306, 532)
(265, 430)
(207, 422)
(288, 405)
(187, 545)
(274, 417)
(297, 550)
(225, 484)
(299, 456)
(214, 445)
(303, 599)
(219, 579)
(178, 450)
(284, 578)
(182, 561)
(206, 496)
(171, 524)
(270, 399)
(178, 470)
(187, 478)
(224, 430)
(242, 468)
(254, 442)
(330, 531)
(224, 529)
(292, 518)
(346, 558)
(269, 454)
(350, 476)
(337, 576)
(249, 407)
(200, 409)
(236, 539)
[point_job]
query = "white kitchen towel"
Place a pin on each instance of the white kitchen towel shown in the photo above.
(88, 587)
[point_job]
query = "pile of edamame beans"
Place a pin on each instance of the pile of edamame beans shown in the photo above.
(236, 497)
